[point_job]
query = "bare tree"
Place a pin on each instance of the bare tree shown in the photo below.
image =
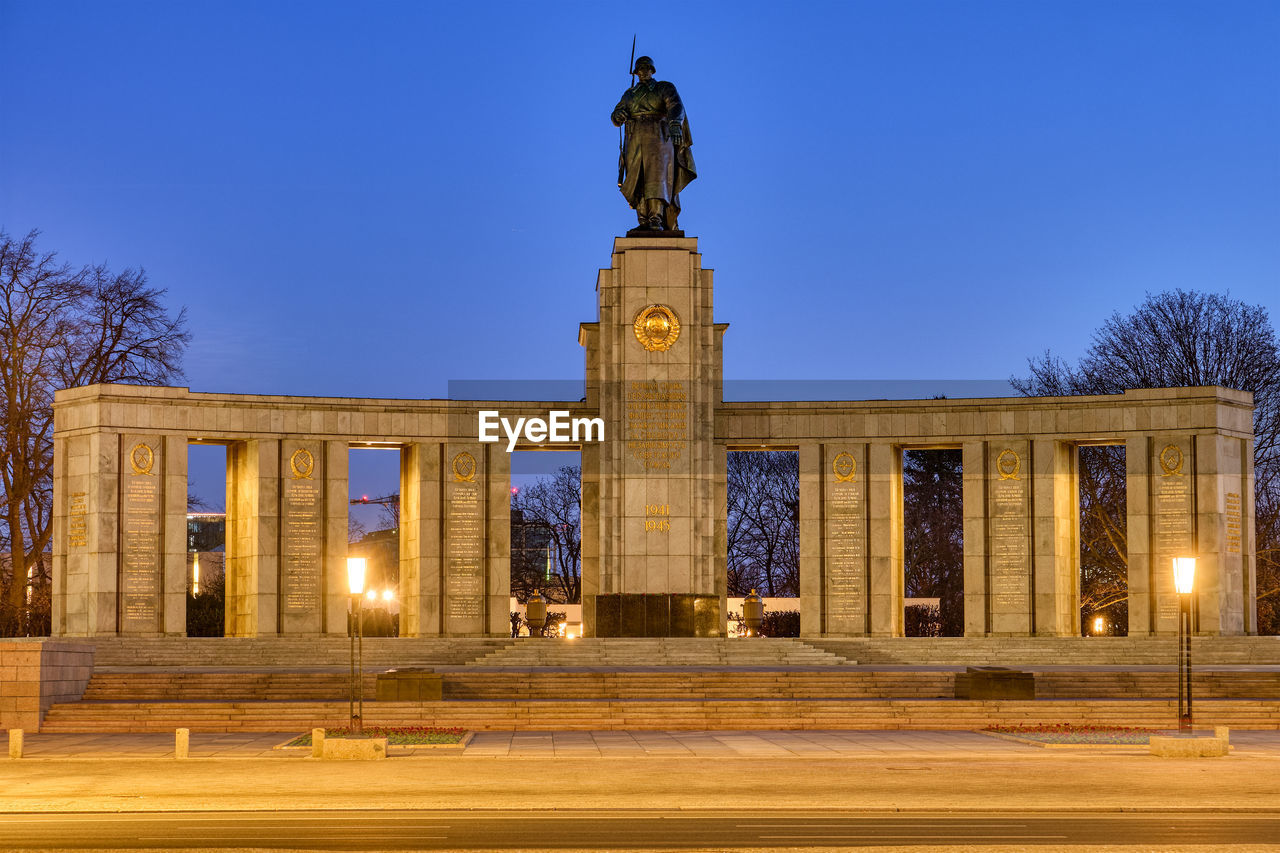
(933, 542)
(763, 505)
(552, 505)
(1181, 338)
(60, 328)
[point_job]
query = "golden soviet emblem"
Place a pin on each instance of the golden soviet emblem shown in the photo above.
(464, 468)
(844, 466)
(142, 458)
(1171, 460)
(302, 463)
(657, 328)
(1008, 464)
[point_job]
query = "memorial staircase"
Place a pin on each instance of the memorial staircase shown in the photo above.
(504, 684)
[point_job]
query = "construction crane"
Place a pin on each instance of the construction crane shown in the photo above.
(385, 500)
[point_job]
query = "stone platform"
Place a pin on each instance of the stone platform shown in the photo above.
(661, 684)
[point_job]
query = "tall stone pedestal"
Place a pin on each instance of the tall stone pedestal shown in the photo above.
(653, 530)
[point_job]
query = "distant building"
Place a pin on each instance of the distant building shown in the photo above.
(206, 531)
(530, 550)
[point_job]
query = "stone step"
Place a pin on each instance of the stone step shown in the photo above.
(1066, 651)
(548, 684)
(659, 651)
(652, 714)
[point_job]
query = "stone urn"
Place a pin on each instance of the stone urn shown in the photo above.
(536, 613)
(753, 613)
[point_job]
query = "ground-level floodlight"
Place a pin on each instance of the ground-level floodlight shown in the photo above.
(1099, 625)
(355, 582)
(1184, 576)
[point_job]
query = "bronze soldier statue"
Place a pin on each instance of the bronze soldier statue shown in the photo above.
(656, 162)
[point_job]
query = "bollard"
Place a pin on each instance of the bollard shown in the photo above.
(317, 743)
(15, 743)
(181, 743)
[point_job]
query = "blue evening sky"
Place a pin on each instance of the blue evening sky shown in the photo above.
(375, 199)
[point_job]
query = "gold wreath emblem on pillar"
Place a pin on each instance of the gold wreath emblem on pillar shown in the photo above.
(302, 463)
(1008, 464)
(844, 466)
(464, 468)
(142, 458)
(657, 328)
(1171, 459)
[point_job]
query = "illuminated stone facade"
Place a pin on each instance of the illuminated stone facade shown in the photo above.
(653, 494)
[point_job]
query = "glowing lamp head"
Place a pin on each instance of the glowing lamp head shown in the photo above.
(1098, 624)
(372, 595)
(1184, 574)
(355, 574)
(388, 594)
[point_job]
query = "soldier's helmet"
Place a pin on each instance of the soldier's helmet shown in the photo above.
(643, 61)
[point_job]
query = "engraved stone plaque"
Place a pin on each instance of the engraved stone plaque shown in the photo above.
(846, 542)
(301, 536)
(77, 526)
(464, 582)
(141, 516)
(657, 423)
(1172, 522)
(1009, 513)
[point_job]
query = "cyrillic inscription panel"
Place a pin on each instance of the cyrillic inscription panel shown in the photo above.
(140, 529)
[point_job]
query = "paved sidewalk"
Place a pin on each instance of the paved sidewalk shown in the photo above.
(611, 744)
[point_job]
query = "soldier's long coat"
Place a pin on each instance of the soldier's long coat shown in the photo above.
(650, 166)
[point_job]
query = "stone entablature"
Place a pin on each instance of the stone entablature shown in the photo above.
(653, 493)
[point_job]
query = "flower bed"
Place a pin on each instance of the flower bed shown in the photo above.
(1067, 733)
(395, 735)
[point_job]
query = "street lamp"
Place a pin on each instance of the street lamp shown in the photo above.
(355, 583)
(1184, 574)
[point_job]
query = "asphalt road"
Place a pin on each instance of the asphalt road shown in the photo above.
(604, 830)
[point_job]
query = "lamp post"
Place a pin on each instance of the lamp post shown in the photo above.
(1184, 573)
(355, 583)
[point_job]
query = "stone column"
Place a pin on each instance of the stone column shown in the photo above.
(175, 536)
(974, 498)
(465, 604)
(302, 528)
(1137, 458)
(591, 537)
(1056, 543)
(253, 536)
(142, 545)
(420, 540)
(1173, 521)
(1009, 537)
(87, 522)
(336, 589)
(498, 526)
(720, 544)
(1248, 543)
(1221, 597)
(884, 508)
(813, 620)
(843, 488)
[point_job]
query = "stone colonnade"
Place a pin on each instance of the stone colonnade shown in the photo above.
(120, 516)
(121, 490)
(1189, 470)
